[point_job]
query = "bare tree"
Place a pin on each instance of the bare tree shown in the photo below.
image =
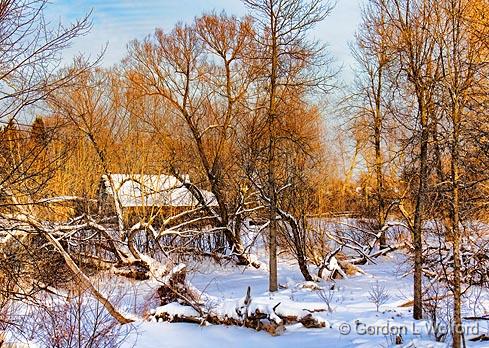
(461, 73)
(30, 55)
(30, 58)
(408, 23)
(201, 75)
(378, 295)
(290, 60)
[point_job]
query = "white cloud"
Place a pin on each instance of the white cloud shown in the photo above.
(117, 22)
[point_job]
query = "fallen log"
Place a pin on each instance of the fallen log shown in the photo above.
(311, 323)
(256, 320)
(257, 317)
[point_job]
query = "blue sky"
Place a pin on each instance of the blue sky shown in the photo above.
(116, 22)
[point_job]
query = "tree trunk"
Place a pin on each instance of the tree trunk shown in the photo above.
(272, 249)
(378, 161)
(301, 260)
(418, 213)
(457, 317)
(272, 241)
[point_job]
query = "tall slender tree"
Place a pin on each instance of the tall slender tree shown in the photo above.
(408, 23)
(290, 60)
(462, 72)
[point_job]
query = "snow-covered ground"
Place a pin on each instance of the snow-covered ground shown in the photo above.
(353, 322)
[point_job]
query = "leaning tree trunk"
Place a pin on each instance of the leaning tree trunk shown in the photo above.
(298, 239)
(83, 279)
(301, 259)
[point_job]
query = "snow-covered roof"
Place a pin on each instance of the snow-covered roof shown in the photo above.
(138, 190)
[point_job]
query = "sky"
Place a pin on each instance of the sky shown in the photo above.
(116, 22)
